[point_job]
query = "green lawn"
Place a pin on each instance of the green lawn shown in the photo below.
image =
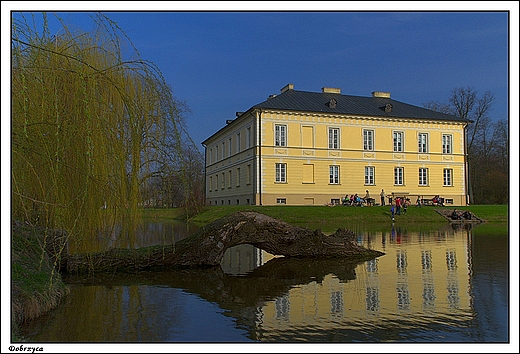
(335, 215)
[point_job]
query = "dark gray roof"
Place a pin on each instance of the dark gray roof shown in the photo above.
(293, 100)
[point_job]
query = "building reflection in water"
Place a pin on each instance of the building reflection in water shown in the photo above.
(420, 273)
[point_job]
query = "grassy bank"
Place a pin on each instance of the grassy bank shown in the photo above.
(35, 285)
(333, 215)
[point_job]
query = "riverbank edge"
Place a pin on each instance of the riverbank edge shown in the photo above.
(36, 286)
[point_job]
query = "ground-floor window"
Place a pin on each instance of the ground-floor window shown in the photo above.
(281, 201)
(334, 174)
(369, 175)
(399, 176)
(423, 176)
(281, 172)
(448, 177)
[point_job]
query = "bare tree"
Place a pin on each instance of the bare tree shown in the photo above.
(486, 142)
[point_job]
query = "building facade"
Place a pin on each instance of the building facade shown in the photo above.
(314, 148)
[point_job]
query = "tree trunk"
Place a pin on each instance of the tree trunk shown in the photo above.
(208, 245)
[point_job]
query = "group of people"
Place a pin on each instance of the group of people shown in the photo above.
(460, 215)
(399, 206)
(353, 200)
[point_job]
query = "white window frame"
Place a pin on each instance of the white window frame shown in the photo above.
(281, 173)
(422, 142)
(423, 176)
(280, 135)
(333, 138)
(447, 144)
(399, 176)
(333, 174)
(398, 138)
(370, 175)
(447, 175)
(368, 140)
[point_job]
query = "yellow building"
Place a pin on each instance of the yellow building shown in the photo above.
(313, 148)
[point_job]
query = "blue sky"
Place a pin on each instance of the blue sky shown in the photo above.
(221, 62)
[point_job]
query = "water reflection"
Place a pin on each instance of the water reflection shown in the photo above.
(432, 286)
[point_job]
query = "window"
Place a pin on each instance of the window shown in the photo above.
(448, 177)
(223, 150)
(210, 183)
(229, 149)
(216, 153)
(399, 176)
(216, 182)
(398, 141)
(423, 176)
(248, 137)
(238, 143)
(447, 144)
(369, 175)
(248, 175)
(238, 176)
(423, 143)
(229, 179)
(334, 174)
(281, 201)
(333, 138)
(223, 180)
(280, 135)
(280, 172)
(368, 140)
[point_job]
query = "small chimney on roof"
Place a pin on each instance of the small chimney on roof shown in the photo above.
(287, 88)
(330, 90)
(381, 94)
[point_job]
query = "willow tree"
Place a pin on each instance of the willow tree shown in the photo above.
(89, 127)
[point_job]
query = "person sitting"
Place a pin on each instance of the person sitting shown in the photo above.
(455, 215)
(466, 215)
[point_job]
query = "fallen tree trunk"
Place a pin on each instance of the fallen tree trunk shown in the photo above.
(208, 245)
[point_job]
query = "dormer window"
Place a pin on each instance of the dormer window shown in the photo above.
(388, 107)
(332, 103)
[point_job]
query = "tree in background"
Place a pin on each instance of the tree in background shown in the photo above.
(90, 128)
(487, 145)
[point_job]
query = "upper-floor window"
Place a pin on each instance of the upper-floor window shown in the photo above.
(423, 142)
(398, 141)
(281, 172)
(223, 150)
(248, 137)
(447, 144)
(333, 138)
(238, 142)
(280, 135)
(448, 177)
(229, 149)
(369, 175)
(368, 140)
(399, 176)
(334, 174)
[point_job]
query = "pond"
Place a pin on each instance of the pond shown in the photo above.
(447, 285)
